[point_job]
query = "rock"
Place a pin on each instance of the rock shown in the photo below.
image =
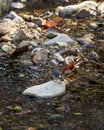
(59, 40)
(51, 34)
(58, 58)
(69, 60)
(100, 8)
(85, 12)
(4, 6)
(72, 9)
(10, 48)
(93, 25)
(27, 43)
(86, 41)
(7, 26)
(20, 35)
(17, 5)
(47, 90)
(12, 15)
(38, 21)
(15, 17)
(56, 118)
(94, 56)
(33, 43)
(6, 38)
(18, 20)
(40, 57)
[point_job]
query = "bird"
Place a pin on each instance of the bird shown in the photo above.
(56, 74)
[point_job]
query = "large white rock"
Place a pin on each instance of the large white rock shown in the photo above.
(50, 89)
(58, 40)
(71, 9)
(17, 5)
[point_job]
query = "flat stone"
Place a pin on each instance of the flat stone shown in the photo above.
(59, 40)
(47, 90)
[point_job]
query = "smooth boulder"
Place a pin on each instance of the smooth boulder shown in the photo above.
(47, 90)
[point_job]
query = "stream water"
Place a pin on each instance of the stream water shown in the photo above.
(80, 108)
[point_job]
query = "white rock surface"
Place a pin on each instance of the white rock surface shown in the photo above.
(12, 15)
(17, 5)
(100, 8)
(15, 17)
(7, 26)
(60, 39)
(8, 48)
(71, 9)
(47, 90)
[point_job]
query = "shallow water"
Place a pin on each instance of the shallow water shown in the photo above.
(80, 108)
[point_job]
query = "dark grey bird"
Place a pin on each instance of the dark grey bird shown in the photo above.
(56, 74)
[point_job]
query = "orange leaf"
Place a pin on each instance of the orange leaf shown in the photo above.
(49, 23)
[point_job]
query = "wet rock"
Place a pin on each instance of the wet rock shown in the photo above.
(27, 62)
(10, 48)
(85, 12)
(56, 118)
(72, 9)
(7, 26)
(50, 89)
(59, 40)
(17, 5)
(38, 49)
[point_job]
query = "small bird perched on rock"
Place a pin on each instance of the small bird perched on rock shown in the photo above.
(56, 74)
